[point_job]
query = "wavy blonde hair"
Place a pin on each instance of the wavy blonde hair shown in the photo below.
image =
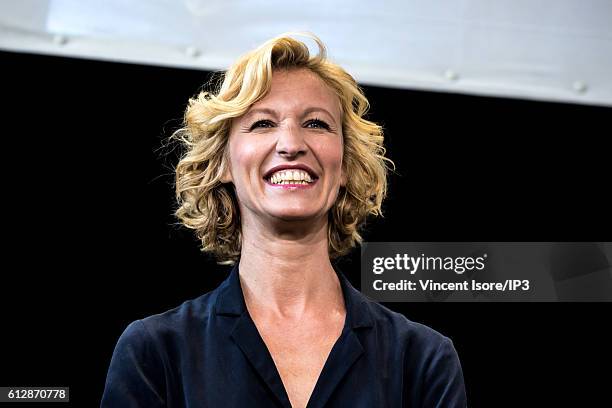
(210, 207)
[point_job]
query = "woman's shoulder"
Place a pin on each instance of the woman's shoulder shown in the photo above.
(191, 312)
(392, 326)
(174, 323)
(413, 334)
(427, 356)
(151, 349)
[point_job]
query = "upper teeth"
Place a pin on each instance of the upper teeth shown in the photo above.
(287, 176)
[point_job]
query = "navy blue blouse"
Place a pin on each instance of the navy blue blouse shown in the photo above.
(208, 353)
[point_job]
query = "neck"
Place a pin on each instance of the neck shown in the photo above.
(285, 270)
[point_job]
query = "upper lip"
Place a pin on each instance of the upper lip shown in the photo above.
(295, 166)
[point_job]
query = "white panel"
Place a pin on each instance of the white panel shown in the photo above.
(559, 50)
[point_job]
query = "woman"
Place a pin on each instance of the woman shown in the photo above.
(280, 171)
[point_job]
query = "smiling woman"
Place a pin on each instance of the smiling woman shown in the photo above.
(280, 171)
(268, 94)
(285, 155)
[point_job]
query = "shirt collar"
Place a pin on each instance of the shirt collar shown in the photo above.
(230, 300)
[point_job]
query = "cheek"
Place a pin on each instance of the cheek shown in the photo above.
(244, 158)
(331, 154)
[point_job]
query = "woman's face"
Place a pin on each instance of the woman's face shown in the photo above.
(286, 151)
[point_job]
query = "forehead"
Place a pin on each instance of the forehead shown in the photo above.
(295, 89)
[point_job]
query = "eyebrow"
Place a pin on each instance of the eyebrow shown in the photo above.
(274, 113)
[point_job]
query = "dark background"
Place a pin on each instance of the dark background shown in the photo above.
(90, 243)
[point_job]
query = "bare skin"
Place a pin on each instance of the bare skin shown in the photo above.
(296, 303)
(290, 287)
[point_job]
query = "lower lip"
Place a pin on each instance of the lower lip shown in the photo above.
(292, 186)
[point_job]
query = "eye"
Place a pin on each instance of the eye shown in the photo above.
(265, 123)
(317, 123)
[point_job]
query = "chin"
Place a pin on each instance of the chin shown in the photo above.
(295, 215)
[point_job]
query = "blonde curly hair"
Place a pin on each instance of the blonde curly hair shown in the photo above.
(210, 207)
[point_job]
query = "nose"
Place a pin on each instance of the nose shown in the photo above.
(291, 142)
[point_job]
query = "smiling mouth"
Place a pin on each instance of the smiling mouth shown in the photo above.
(296, 177)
